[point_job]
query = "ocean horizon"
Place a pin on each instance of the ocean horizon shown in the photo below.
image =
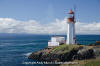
(14, 48)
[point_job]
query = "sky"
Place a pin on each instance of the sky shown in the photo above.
(48, 16)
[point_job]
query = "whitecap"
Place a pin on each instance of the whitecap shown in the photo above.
(27, 54)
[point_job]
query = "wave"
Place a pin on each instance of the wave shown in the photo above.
(27, 54)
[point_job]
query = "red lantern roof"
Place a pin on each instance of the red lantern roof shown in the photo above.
(70, 20)
(71, 12)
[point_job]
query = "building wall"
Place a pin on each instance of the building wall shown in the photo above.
(70, 33)
(55, 41)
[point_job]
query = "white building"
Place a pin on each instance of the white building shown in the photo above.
(56, 41)
(71, 28)
(71, 38)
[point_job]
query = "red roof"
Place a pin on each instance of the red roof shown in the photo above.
(71, 12)
(70, 20)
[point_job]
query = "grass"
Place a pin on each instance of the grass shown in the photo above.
(64, 48)
(67, 47)
(93, 63)
(90, 62)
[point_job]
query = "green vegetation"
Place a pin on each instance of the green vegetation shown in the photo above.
(64, 48)
(90, 62)
(93, 63)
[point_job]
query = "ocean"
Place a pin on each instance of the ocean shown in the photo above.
(14, 49)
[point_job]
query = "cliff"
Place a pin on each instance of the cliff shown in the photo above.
(64, 53)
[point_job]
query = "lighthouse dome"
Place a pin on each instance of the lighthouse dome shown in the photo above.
(71, 12)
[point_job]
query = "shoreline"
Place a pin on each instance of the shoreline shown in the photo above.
(63, 53)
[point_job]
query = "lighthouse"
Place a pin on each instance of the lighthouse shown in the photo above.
(71, 28)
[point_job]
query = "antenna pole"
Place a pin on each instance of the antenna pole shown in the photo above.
(74, 12)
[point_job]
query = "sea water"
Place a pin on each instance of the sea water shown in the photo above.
(15, 49)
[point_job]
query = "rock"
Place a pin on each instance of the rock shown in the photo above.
(97, 43)
(90, 44)
(79, 53)
(97, 51)
(85, 54)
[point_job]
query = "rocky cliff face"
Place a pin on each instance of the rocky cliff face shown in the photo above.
(63, 53)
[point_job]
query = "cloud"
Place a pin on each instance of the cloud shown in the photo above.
(88, 28)
(9, 25)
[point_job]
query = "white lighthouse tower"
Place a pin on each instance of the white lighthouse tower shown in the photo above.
(71, 28)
